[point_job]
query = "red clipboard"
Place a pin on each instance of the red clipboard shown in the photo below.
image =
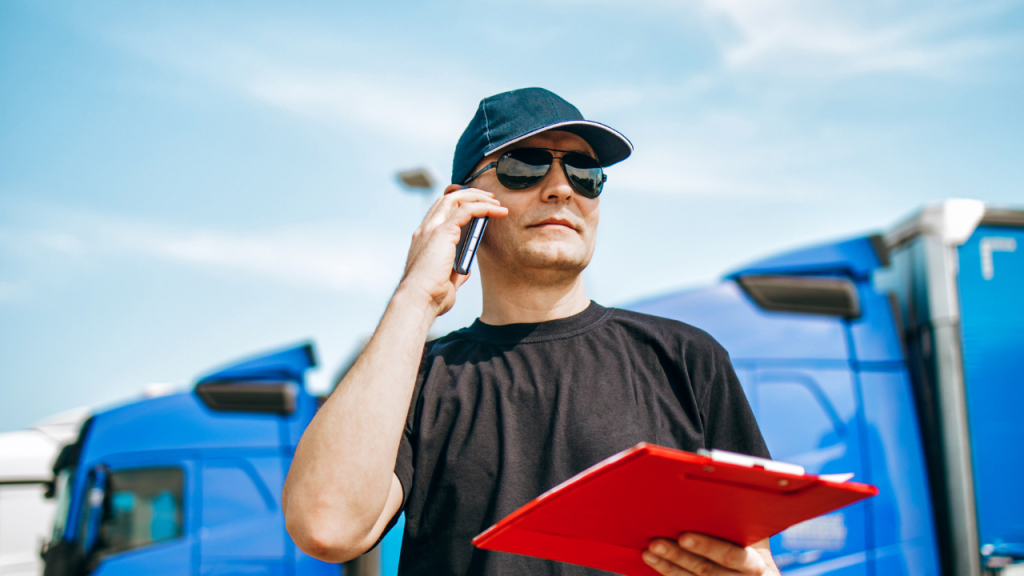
(607, 515)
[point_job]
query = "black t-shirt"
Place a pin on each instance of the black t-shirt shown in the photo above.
(501, 414)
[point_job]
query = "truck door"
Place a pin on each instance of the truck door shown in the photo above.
(809, 417)
(135, 521)
(242, 523)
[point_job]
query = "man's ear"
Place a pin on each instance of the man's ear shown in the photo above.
(452, 188)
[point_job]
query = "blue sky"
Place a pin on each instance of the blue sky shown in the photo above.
(183, 183)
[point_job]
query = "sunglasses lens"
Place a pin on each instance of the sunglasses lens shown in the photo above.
(584, 173)
(523, 167)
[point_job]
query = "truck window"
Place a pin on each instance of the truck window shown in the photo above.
(62, 490)
(144, 506)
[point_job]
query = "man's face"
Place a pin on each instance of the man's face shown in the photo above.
(550, 231)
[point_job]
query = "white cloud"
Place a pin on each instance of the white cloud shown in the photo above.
(315, 74)
(410, 109)
(310, 257)
(739, 154)
(322, 256)
(833, 38)
(61, 242)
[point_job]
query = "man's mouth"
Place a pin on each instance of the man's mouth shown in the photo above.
(553, 222)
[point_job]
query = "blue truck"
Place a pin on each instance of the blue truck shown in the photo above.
(188, 483)
(896, 357)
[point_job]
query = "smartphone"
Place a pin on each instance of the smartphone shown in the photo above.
(469, 241)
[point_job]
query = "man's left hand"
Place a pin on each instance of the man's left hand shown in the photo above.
(699, 555)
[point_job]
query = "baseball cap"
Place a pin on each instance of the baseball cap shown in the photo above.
(504, 119)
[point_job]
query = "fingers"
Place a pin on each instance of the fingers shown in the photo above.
(449, 202)
(462, 205)
(444, 205)
(661, 564)
(667, 557)
(726, 554)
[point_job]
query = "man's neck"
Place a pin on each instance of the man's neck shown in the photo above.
(513, 303)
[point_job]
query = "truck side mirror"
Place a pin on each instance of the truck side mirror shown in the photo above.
(807, 294)
(267, 397)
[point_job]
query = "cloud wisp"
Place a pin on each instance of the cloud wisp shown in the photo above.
(321, 257)
(837, 39)
(309, 71)
(431, 116)
(832, 38)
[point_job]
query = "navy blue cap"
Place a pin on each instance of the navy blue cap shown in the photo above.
(506, 118)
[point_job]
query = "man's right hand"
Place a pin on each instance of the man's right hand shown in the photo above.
(429, 268)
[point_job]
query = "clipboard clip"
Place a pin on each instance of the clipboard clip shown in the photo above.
(752, 462)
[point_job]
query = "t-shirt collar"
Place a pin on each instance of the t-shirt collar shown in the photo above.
(539, 331)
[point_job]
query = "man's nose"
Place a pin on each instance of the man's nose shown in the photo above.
(556, 185)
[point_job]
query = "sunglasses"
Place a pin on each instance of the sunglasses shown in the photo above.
(522, 168)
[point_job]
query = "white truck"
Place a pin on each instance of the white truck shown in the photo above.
(26, 515)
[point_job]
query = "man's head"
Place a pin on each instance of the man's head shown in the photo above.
(550, 231)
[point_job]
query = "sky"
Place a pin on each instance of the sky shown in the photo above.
(184, 183)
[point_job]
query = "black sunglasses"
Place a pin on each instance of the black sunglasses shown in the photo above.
(522, 168)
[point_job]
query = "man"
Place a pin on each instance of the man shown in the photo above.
(544, 384)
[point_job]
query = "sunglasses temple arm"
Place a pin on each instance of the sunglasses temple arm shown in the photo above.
(482, 170)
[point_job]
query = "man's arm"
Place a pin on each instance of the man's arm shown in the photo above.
(341, 490)
(699, 555)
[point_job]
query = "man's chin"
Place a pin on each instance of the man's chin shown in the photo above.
(553, 259)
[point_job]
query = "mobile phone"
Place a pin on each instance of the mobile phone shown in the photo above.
(469, 241)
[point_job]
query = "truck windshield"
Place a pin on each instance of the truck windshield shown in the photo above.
(62, 490)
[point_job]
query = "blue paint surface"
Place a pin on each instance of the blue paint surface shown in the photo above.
(289, 364)
(748, 332)
(903, 528)
(855, 258)
(391, 548)
(991, 285)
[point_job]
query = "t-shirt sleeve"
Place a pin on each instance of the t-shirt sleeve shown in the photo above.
(404, 464)
(729, 422)
(404, 467)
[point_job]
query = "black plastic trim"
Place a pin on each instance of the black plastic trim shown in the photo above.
(881, 248)
(261, 397)
(70, 453)
(808, 295)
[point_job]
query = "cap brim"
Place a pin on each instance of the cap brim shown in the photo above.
(610, 145)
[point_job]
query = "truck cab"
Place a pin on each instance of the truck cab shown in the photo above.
(896, 357)
(188, 483)
(819, 354)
